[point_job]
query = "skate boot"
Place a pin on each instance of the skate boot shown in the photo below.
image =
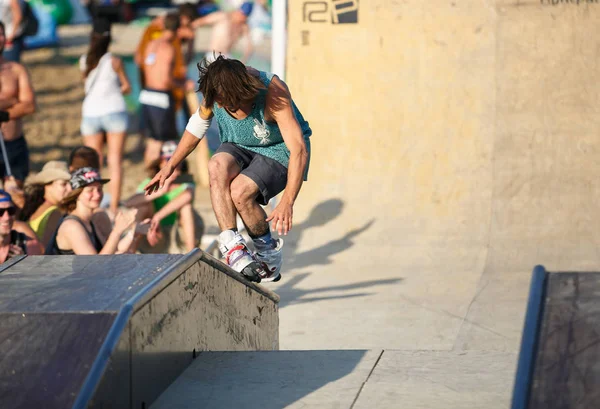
(272, 260)
(233, 247)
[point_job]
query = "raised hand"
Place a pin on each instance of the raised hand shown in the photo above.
(158, 181)
(281, 218)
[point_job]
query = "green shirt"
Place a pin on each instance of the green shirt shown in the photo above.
(161, 201)
(255, 134)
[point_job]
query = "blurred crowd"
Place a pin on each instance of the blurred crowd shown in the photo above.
(63, 209)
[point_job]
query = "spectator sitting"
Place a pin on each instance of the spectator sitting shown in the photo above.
(16, 238)
(76, 234)
(86, 157)
(175, 226)
(43, 192)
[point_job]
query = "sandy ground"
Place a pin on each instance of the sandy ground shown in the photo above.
(53, 131)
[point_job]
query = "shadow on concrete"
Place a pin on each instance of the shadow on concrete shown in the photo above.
(290, 294)
(320, 215)
(264, 380)
(321, 255)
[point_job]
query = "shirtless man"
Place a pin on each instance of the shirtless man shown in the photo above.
(156, 99)
(16, 98)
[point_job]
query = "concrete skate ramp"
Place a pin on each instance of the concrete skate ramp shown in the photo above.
(115, 331)
(455, 147)
(558, 363)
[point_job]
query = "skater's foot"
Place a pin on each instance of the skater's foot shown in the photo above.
(272, 260)
(238, 257)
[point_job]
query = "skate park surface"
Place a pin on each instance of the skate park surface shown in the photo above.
(455, 147)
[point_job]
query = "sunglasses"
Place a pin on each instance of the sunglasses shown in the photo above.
(11, 211)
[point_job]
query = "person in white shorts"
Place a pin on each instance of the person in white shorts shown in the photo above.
(104, 111)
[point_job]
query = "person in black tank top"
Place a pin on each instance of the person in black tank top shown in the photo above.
(76, 234)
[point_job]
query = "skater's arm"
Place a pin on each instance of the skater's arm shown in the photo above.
(279, 103)
(280, 99)
(186, 145)
(26, 103)
(194, 132)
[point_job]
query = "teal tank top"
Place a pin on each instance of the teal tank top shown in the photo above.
(257, 135)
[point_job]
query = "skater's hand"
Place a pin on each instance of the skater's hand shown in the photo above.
(281, 218)
(158, 181)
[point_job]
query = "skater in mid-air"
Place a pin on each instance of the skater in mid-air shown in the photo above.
(265, 150)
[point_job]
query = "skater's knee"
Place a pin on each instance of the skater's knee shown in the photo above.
(220, 170)
(243, 191)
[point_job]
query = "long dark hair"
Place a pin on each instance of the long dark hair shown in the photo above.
(99, 43)
(228, 81)
(34, 198)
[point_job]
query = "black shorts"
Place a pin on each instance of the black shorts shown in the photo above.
(267, 173)
(158, 111)
(18, 159)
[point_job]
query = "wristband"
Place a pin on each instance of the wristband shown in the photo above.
(197, 125)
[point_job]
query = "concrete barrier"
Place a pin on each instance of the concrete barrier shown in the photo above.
(115, 331)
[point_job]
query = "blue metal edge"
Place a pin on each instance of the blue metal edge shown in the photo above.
(114, 334)
(530, 338)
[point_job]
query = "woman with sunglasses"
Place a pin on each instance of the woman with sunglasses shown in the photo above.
(16, 238)
(76, 233)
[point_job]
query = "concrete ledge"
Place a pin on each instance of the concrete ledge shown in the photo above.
(115, 331)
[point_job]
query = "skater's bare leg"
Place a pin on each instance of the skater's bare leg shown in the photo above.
(244, 192)
(222, 169)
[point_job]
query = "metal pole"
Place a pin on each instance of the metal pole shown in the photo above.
(279, 38)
